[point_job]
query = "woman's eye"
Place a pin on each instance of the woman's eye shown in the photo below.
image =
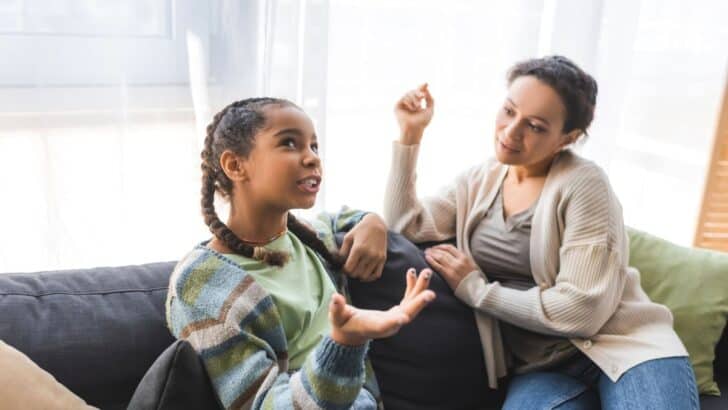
(536, 128)
(508, 111)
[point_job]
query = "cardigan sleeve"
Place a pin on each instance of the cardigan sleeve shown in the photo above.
(592, 270)
(245, 353)
(430, 219)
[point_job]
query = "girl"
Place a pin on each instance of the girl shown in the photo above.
(254, 300)
(542, 248)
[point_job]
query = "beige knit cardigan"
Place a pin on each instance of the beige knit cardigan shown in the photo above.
(579, 255)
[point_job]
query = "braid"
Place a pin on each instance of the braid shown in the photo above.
(213, 179)
(310, 239)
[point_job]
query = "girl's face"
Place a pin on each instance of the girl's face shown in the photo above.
(283, 170)
(529, 126)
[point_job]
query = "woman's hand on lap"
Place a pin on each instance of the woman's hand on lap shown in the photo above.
(452, 264)
(352, 326)
(412, 117)
(365, 249)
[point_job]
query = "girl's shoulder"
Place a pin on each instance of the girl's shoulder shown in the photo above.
(204, 267)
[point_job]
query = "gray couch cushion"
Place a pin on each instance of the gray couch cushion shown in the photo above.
(435, 362)
(96, 330)
(716, 403)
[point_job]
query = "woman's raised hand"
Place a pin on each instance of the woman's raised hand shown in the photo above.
(412, 116)
(353, 326)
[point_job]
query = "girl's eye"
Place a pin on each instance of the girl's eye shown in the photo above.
(314, 148)
(289, 142)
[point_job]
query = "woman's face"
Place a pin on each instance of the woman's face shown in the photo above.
(529, 125)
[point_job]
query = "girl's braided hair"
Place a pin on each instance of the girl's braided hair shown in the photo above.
(234, 128)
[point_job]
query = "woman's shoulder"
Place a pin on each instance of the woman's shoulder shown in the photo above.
(572, 170)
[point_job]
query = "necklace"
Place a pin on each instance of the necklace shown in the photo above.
(265, 242)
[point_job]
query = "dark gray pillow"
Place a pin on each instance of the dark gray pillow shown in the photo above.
(435, 362)
(177, 380)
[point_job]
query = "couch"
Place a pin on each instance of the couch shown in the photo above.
(98, 331)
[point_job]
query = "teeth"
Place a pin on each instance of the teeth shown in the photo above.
(310, 182)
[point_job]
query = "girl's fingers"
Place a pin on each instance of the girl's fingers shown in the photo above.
(346, 246)
(423, 281)
(337, 307)
(366, 270)
(378, 271)
(411, 277)
(415, 305)
(352, 263)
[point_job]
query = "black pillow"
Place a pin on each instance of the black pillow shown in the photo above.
(435, 362)
(176, 380)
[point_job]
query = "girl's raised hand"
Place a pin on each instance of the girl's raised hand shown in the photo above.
(353, 326)
(412, 117)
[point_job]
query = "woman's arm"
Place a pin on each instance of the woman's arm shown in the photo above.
(591, 276)
(430, 219)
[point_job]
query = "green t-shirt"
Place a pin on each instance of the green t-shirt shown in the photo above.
(301, 290)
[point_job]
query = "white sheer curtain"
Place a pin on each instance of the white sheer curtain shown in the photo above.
(103, 105)
(661, 66)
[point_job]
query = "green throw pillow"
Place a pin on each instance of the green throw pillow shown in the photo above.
(693, 283)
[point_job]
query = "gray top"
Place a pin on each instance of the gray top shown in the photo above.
(501, 249)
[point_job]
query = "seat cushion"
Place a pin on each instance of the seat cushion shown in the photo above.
(716, 402)
(96, 331)
(693, 283)
(435, 362)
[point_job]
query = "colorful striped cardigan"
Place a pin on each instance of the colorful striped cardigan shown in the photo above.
(234, 325)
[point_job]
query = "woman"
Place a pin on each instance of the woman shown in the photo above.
(542, 253)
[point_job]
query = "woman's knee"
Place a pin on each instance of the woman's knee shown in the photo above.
(548, 390)
(667, 383)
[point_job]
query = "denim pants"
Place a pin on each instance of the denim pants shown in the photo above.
(660, 384)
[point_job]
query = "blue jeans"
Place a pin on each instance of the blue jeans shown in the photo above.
(660, 384)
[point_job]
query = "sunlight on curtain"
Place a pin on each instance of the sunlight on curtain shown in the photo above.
(660, 66)
(103, 109)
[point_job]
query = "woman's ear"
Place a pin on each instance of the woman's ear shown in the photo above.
(571, 137)
(233, 165)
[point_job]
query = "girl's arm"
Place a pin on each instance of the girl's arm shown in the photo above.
(246, 369)
(239, 336)
(364, 247)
